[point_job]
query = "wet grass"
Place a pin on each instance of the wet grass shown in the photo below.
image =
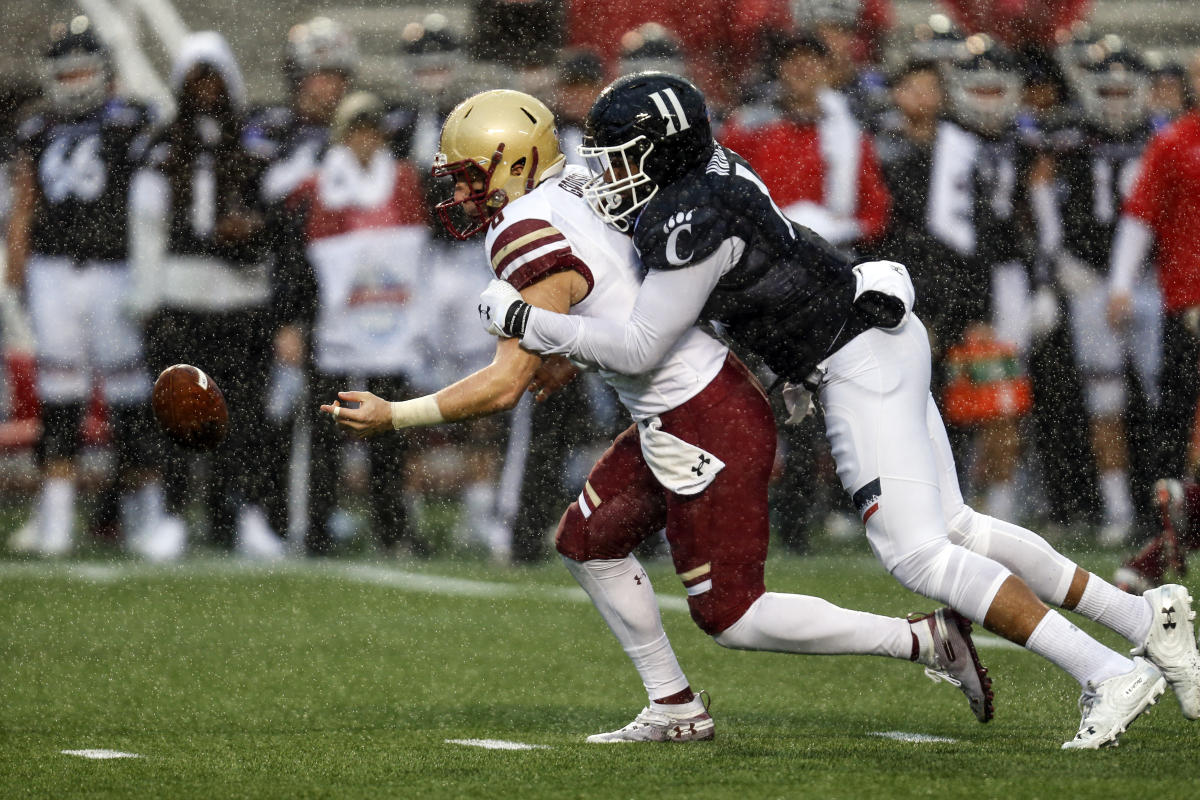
(324, 681)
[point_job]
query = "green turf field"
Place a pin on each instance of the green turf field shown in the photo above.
(346, 680)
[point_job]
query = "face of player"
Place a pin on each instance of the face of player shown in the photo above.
(802, 75)
(919, 95)
(204, 91)
(319, 93)
(467, 186)
(364, 141)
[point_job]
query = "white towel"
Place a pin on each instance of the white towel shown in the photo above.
(680, 467)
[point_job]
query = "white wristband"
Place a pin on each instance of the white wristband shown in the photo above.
(416, 412)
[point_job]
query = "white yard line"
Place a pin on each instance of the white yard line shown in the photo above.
(497, 744)
(920, 738)
(99, 754)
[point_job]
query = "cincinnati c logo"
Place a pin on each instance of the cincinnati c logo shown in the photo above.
(675, 226)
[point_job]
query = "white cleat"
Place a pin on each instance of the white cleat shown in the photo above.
(691, 725)
(1109, 707)
(1171, 644)
(26, 539)
(255, 539)
(162, 541)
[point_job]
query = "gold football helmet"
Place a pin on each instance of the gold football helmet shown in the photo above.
(499, 144)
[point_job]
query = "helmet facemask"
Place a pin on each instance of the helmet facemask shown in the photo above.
(1114, 99)
(985, 99)
(619, 184)
(77, 81)
(466, 214)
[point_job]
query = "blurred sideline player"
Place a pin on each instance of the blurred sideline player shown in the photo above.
(1159, 217)
(717, 247)
(320, 62)
(67, 255)
(200, 260)
(358, 286)
(1079, 202)
(697, 459)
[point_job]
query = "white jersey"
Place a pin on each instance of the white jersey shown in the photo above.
(552, 229)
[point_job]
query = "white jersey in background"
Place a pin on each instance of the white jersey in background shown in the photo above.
(552, 229)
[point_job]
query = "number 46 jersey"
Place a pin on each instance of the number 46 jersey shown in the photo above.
(82, 170)
(552, 229)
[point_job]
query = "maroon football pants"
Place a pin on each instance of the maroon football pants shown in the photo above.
(719, 537)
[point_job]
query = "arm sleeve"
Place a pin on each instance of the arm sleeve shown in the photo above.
(148, 209)
(668, 304)
(1131, 246)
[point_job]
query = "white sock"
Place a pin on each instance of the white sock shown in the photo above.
(1114, 492)
(621, 592)
(56, 513)
(1081, 656)
(1000, 500)
(1127, 614)
(141, 510)
(796, 623)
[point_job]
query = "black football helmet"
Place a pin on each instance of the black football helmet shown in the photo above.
(78, 68)
(1113, 87)
(644, 131)
(984, 85)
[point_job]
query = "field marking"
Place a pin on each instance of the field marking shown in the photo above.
(372, 574)
(498, 744)
(920, 738)
(99, 754)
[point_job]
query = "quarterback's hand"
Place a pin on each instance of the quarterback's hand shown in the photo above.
(502, 312)
(371, 415)
(554, 373)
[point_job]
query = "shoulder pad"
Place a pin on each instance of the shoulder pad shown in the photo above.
(681, 226)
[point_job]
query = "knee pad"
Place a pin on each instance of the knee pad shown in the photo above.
(60, 431)
(951, 574)
(575, 539)
(970, 529)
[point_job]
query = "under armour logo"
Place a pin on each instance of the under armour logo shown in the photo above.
(637, 579)
(680, 732)
(485, 312)
(704, 461)
(1170, 623)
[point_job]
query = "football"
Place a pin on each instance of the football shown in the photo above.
(190, 407)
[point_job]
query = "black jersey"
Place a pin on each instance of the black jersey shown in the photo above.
(292, 145)
(205, 185)
(1093, 181)
(788, 297)
(82, 170)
